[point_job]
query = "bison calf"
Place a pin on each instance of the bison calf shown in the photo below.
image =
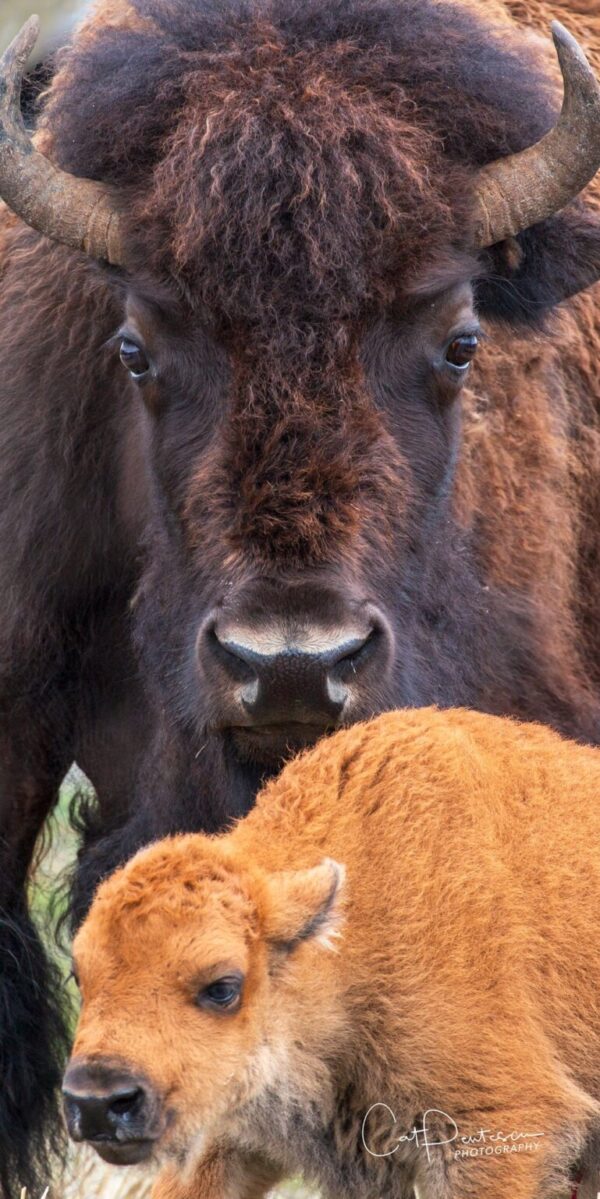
(424, 1018)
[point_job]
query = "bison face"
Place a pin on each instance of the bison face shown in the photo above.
(187, 964)
(296, 198)
(293, 503)
(296, 213)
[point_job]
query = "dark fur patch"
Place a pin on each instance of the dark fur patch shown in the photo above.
(33, 1049)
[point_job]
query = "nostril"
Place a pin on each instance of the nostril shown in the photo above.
(354, 653)
(126, 1103)
(96, 1116)
(237, 661)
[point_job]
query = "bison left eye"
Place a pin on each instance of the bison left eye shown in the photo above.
(223, 995)
(133, 358)
(461, 351)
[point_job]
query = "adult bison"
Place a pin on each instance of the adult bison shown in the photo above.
(254, 482)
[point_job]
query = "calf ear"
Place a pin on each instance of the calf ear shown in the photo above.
(304, 904)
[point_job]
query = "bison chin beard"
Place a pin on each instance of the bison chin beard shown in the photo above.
(273, 745)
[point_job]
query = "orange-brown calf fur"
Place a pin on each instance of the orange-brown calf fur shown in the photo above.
(454, 967)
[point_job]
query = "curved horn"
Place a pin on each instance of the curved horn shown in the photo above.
(77, 212)
(515, 192)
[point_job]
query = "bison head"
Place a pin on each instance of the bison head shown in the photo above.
(305, 211)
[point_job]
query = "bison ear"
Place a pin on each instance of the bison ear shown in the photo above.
(304, 904)
(525, 278)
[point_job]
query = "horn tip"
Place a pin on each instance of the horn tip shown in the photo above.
(31, 28)
(563, 40)
(28, 34)
(21, 46)
(558, 29)
(578, 76)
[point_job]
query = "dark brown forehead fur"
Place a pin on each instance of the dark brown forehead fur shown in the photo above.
(295, 161)
(297, 165)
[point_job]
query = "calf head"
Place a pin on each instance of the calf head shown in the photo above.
(188, 968)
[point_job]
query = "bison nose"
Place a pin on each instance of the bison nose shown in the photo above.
(278, 679)
(103, 1105)
(102, 1117)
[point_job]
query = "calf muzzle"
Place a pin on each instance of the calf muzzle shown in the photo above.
(113, 1110)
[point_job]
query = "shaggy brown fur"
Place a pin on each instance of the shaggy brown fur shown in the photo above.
(462, 976)
(295, 181)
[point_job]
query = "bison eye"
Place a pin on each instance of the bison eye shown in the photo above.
(461, 351)
(222, 995)
(133, 358)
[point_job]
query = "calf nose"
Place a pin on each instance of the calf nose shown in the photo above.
(104, 1106)
(102, 1117)
(278, 678)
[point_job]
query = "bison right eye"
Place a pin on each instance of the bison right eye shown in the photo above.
(133, 358)
(461, 351)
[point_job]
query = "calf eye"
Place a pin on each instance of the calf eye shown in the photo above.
(133, 358)
(222, 995)
(461, 351)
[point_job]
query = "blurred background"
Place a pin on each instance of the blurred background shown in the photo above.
(56, 17)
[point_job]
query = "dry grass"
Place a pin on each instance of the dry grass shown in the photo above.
(89, 1178)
